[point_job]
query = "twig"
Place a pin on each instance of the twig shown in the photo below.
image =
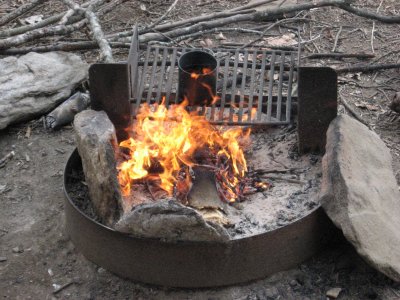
(373, 29)
(339, 55)
(5, 158)
(20, 11)
(163, 16)
(367, 68)
(337, 38)
(352, 110)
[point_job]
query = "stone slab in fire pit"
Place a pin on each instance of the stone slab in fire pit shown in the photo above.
(34, 84)
(97, 142)
(360, 193)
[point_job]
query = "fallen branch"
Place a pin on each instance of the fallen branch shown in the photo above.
(367, 68)
(268, 14)
(39, 33)
(215, 30)
(54, 19)
(20, 11)
(67, 47)
(339, 55)
(98, 35)
(179, 23)
(51, 20)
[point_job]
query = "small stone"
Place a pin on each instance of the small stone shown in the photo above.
(333, 293)
(2, 258)
(18, 249)
(101, 270)
(293, 283)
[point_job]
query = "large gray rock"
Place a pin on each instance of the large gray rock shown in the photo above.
(172, 221)
(97, 145)
(360, 193)
(34, 84)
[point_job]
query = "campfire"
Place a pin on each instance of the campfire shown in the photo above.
(190, 166)
(168, 144)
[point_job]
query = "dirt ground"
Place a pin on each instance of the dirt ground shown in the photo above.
(36, 256)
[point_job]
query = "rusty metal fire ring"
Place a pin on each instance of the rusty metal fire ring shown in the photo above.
(193, 264)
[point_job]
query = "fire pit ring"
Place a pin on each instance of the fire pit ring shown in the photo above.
(191, 264)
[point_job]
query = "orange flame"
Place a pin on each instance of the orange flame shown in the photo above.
(170, 138)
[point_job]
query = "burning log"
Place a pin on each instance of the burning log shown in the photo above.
(171, 221)
(97, 143)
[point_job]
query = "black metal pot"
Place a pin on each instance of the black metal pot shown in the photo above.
(197, 78)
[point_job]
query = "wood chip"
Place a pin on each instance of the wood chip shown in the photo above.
(28, 132)
(333, 293)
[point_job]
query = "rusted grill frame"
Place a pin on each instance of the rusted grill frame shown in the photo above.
(153, 74)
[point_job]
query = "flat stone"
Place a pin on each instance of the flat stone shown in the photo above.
(34, 84)
(172, 221)
(360, 194)
(204, 191)
(18, 249)
(97, 145)
(3, 258)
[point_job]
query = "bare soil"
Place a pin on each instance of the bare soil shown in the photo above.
(36, 257)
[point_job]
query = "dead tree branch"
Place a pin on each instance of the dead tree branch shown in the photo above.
(168, 26)
(268, 14)
(367, 68)
(20, 11)
(339, 55)
(67, 47)
(98, 35)
(39, 33)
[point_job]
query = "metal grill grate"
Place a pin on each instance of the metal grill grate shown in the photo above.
(254, 86)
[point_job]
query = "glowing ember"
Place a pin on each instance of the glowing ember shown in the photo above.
(166, 141)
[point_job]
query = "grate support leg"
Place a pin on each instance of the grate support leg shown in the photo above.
(317, 107)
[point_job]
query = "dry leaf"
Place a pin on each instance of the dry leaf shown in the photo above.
(33, 19)
(220, 37)
(284, 40)
(208, 42)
